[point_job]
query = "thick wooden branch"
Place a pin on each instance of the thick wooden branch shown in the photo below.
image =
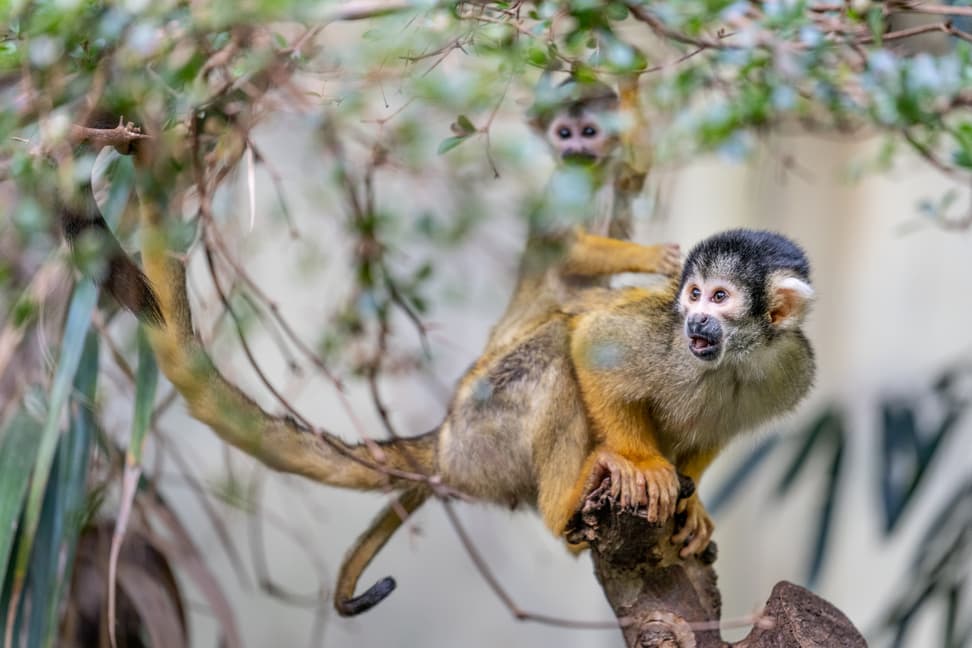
(665, 602)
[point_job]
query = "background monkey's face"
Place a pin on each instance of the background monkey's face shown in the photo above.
(580, 121)
(582, 136)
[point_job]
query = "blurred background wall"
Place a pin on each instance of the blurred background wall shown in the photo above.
(892, 310)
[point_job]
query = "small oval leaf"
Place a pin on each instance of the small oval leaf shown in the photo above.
(450, 143)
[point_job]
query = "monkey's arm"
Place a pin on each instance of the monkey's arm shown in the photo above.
(617, 349)
(627, 450)
(591, 255)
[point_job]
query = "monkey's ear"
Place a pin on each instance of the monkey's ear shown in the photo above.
(790, 299)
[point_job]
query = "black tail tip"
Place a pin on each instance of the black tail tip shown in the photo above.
(131, 288)
(372, 597)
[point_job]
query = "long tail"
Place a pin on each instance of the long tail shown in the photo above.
(280, 442)
(81, 220)
(364, 550)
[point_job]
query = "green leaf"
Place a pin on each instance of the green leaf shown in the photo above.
(42, 572)
(537, 56)
(466, 127)
(875, 21)
(18, 451)
(616, 11)
(73, 456)
(146, 380)
(23, 312)
(450, 143)
(75, 330)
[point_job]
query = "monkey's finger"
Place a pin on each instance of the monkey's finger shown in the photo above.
(631, 488)
(685, 532)
(652, 501)
(625, 499)
(696, 544)
(673, 490)
(615, 482)
(666, 497)
(684, 541)
(664, 503)
(641, 489)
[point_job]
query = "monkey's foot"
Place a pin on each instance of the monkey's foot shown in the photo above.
(649, 483)
(697, 529)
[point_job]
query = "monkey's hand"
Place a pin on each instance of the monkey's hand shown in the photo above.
(649, 483)
(670, 260)
(696, 530)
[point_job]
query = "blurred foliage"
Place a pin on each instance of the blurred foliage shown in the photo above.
(380, 95)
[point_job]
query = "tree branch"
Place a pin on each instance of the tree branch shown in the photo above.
(664, 601)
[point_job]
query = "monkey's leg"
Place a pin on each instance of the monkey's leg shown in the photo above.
(590, 255)
(365, 548)
(559, 492)
(695, 533)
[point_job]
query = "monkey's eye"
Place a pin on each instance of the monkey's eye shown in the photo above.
(589, 131)
(695, 293)
(719, 296)
(563, 132)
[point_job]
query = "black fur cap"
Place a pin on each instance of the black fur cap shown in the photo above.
(747, 257)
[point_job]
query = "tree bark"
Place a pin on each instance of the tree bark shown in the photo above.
(664, 601)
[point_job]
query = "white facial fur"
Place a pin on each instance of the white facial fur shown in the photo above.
(715, 297)
(585, 134)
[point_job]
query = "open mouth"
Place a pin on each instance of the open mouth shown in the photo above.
(704, 347)
(579, 157)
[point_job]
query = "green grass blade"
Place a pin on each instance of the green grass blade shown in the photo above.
(41, 582)
(72, 345)
(18, 451)
(74, 453)
(146, 380)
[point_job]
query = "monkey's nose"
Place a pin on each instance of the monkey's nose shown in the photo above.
(697, 320)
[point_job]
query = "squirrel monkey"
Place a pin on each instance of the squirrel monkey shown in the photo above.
(575, 243)
(575, 394)
(638, 384)
(489, 425)
(581, 123)
(670, 376)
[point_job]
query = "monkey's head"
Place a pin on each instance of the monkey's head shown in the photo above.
(741, 291)
(578, 120)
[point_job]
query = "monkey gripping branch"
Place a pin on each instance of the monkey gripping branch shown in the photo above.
(726, 70)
